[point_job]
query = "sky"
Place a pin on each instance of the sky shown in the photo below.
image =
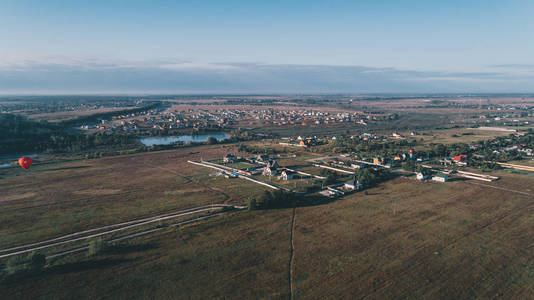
(374, 46)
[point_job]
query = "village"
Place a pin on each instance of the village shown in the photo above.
(305, 168)
(166, 118)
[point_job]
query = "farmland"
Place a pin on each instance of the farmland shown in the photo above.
(403, 239)
(388, 236)
(98, 192)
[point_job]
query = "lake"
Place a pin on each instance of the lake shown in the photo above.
(166, 140)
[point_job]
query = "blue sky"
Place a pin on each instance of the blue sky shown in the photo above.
(266, 46)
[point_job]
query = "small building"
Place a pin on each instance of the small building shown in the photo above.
(440, 177)
(269, 171)
(378, 160)
(420, 176)
(230, 158)
(287, 175)
(460, 158)
(353, 184)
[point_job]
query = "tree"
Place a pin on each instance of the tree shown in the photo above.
(211, 140)
(252, 205)
(330, 179)
(37, 261)
(365, 176)
(96, 247)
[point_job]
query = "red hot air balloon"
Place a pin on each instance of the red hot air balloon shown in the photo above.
(25, 162)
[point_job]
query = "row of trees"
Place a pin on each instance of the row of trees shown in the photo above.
(20, 135)
(274, 199)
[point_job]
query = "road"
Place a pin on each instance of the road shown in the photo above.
(129, 236)
(74, 237)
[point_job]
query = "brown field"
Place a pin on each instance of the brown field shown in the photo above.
(65, 198)
(67, 115)
(405, 239)
(463, 239)
(463, 135)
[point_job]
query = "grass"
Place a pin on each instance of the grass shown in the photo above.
(460, 135)
(46, 202)
(403, 239)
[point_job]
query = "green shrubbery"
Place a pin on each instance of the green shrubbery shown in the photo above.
(33, 262)
(96, 247)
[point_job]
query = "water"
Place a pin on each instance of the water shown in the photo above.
(150, 141)
(5, 165)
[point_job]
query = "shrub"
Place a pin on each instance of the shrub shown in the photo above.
(96, 247)
(15, 264)
(36, 261)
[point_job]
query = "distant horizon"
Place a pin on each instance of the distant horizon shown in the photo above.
(266, 94)
(234, 46)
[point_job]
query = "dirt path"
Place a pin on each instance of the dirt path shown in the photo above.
(188, 179)
(291, 255)
(501, 188)
(70, 238)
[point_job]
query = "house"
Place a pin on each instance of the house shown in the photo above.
(460, 158)
(269, 171)
(440, 177)
(287, 175)
(230, 158)
(421, 176)
(378, 160)
(353, 184)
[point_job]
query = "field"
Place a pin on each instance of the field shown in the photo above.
(68, 115)
(401, 239)
(61, 198)
(404, 239)
(463, 135)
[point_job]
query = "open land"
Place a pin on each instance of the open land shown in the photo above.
(396, 238)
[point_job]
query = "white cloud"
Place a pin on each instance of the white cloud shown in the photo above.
(99, 74)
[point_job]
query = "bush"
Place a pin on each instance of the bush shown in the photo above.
(15, 264)
(277, 199)
(96, 247)
(36, 261)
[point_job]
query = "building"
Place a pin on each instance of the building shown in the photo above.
(287, 175)
(353, 184)
(378, 160)
(269, 171)
(460, 158)
(421, 176)
(440, 177)
(230, 158)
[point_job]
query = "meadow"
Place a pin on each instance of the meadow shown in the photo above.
(402, 239)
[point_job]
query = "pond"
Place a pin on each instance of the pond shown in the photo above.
(166, 140)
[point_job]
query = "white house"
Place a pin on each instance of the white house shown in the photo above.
(230, 158)
(440, 177)
(287, 175)
(353, 184)
(421, 176)
(269, 171)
